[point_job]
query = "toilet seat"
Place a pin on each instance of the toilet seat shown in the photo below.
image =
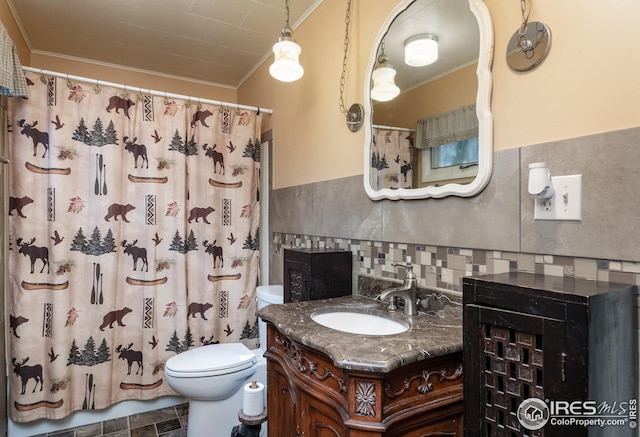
(211, 360)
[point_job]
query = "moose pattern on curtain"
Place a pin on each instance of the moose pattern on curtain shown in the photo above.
(133, 228)
(391, 158)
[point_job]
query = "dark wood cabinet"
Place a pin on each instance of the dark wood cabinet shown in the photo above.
(308, 396)
(319, 419)
(311, 274)
(561, 340)
(282, 402)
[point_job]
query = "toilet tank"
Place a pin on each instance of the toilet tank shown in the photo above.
(266, 295)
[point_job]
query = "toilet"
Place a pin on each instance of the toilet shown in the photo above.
(213, 377)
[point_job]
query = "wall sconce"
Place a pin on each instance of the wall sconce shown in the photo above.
(286, 66)
(384, 85)
(421, 50)
(555, 197)
(355, 114)
(530, 44)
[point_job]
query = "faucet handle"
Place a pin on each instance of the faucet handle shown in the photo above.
(407, 264)
(410, 273)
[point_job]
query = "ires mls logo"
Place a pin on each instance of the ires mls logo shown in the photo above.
(535, 413)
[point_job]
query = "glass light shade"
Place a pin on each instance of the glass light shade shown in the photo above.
(384, 86)
(286, 66)
(421, 50)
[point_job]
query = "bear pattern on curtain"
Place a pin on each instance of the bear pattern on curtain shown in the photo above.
(133, 228)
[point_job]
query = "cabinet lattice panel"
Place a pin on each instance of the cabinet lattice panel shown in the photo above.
(512, 369)
(297, 285)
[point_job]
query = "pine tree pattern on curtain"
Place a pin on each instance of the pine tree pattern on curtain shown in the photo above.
(133, 229)
(391, 158)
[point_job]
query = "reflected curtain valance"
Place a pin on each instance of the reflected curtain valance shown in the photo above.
(447, 127)
(12, 79)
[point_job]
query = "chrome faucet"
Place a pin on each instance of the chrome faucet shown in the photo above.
(406, 292)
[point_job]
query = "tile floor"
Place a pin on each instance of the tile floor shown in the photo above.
(165, 422)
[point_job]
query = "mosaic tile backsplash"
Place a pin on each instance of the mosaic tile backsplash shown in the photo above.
(443, 267)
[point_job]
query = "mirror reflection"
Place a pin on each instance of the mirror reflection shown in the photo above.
(433, 139)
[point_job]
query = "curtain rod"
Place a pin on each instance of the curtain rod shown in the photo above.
(147, 91)
(402, 129)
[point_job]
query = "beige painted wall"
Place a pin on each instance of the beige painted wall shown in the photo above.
(132, 78)
(12, 29)
(458, 88)
(588, 83)
(311, 139)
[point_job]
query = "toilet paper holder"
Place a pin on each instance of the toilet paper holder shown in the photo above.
(250, 425)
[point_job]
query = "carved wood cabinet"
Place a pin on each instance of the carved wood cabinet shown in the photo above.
(551, 338)
(308, 396)
(311, 274)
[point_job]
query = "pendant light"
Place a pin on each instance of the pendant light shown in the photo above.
(383, 77)
(286, 66)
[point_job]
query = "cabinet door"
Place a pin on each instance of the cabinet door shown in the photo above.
(318, 419)
(510, 357)
(281, 402)
(297, 270)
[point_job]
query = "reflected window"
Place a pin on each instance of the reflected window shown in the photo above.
(448, 147)
(457, 153)
(452, 162)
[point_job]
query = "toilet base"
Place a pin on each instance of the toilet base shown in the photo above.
(218, 418)
(212, 419)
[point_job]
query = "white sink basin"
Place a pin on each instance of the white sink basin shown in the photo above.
(359, 323)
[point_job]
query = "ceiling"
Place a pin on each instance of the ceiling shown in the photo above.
(458, 39)
(219, 42)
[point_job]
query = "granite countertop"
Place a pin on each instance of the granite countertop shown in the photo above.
(434, 333)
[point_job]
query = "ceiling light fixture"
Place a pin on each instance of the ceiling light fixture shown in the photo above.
(383, 77)
(286, 66)
(421, 50)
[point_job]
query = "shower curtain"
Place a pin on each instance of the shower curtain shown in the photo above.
(391, 158)
(133, 227)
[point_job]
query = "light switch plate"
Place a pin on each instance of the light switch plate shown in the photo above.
(566, 203)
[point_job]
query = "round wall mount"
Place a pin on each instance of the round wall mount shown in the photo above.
(355, 117)
(525, 52)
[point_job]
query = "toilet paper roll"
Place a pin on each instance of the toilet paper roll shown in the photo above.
(253, 401)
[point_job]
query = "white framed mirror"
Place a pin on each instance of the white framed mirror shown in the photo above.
(457, 82)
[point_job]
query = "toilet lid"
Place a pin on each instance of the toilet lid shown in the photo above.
(212, 358)
(270, 293)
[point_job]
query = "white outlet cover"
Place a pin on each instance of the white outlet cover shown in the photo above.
(566, 203)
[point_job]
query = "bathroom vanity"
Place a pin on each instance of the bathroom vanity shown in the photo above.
(325, 382)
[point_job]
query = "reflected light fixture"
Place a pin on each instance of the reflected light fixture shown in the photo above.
(383, 77)
(286, 66)
(421, 50)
